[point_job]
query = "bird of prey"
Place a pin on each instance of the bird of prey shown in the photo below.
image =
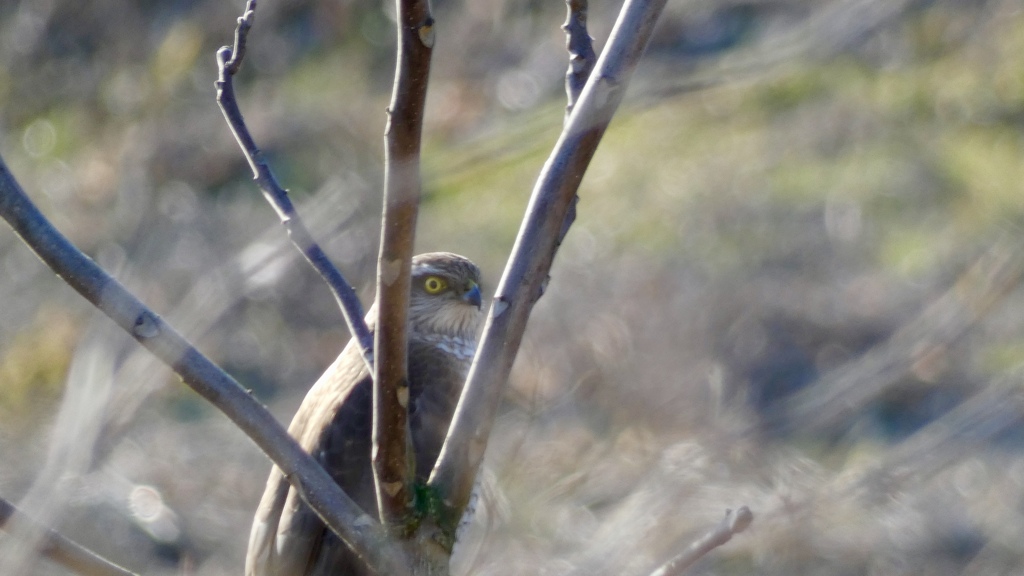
(335, 419)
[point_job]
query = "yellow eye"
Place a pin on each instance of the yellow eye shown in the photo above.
(434, 285)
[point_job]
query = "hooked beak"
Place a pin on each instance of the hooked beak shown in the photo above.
(472, 296)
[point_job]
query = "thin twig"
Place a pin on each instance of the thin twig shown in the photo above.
(526, 273)
(229, 61)
(735, 521)
(990, 412)
(581, 63)
(322, 494)
(392, 472)
(52, 545)
(581, 51)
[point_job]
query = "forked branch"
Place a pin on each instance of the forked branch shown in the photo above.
(526, 273)
(391, 464)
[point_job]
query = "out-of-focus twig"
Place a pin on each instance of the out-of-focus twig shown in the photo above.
(942, 443)
(832, 28)
(526, 273)
(391, 470)
(948, 439)
(735, 521)
(229, 61)
(311, 481)
(50, 544)
(849, 388)
(76, 431)
(581, 52)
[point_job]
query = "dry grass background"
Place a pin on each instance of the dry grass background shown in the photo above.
(788, 186)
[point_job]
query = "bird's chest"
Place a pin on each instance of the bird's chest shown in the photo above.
(455, 351)
(438, 366)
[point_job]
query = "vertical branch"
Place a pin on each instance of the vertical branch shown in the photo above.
(526, 274)
(581, 52)
(581, 64)
(392, 468)
(229, 61)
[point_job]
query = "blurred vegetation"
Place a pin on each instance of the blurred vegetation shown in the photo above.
(762, 213)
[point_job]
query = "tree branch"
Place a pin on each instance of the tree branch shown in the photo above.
(311, 481)
(581, 64)
(392, 468)
(527, 271)
(229, 61)
(52, 545)
(735, 521)
(581, 52)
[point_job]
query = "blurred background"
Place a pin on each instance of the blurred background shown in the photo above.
(793, 281)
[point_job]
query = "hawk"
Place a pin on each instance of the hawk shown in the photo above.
(335, 419)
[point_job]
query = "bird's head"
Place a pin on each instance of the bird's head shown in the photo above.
(444, 295)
